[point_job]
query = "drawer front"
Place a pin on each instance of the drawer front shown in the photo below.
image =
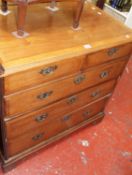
(41, 74)
(66, 105)
(46, 94)
(107, 55)
(43, 116)
(41, 133)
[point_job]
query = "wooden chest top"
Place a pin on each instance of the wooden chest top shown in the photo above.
(52, 38)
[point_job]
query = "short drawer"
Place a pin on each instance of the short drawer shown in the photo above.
(32, 137)
(107, 55)
(51, 92)
(47, 72)
(59, 108)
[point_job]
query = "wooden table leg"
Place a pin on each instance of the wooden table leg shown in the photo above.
(78, 13)
(53, 4)
(21, 17)
(4, 6)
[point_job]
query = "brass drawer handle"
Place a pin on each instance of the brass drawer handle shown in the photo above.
(37, 137)
(66, 117)
(79, 79)
(95, 94)
(104, 74)
(41, 118)
(44, 95)
(72, 100)
(48, 70)
(86, 113)
(112, 51)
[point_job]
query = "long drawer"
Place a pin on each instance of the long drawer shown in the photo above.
(45, 115)
(66, 105)
(56, 69)
(48, 93)
(21, 139)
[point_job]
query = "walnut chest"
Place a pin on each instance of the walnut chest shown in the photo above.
(57, 80)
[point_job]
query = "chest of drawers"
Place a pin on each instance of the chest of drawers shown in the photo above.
(57, 82)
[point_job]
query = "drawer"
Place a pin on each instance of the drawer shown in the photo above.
(51, 92)
(27, 138)
(107, 55)
(25, 79)
(50, 71)
(66, 105)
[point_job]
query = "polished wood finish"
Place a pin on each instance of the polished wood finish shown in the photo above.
(36, 121)
(42, 74)
(72, 102)
(8, 164)
(107, 55)
(39, 48)
(21, 16)
(48, 93)
(77, 13)
(49, 78)
(22, 6)
(30, 135)
(47, 72)
(2, 146)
